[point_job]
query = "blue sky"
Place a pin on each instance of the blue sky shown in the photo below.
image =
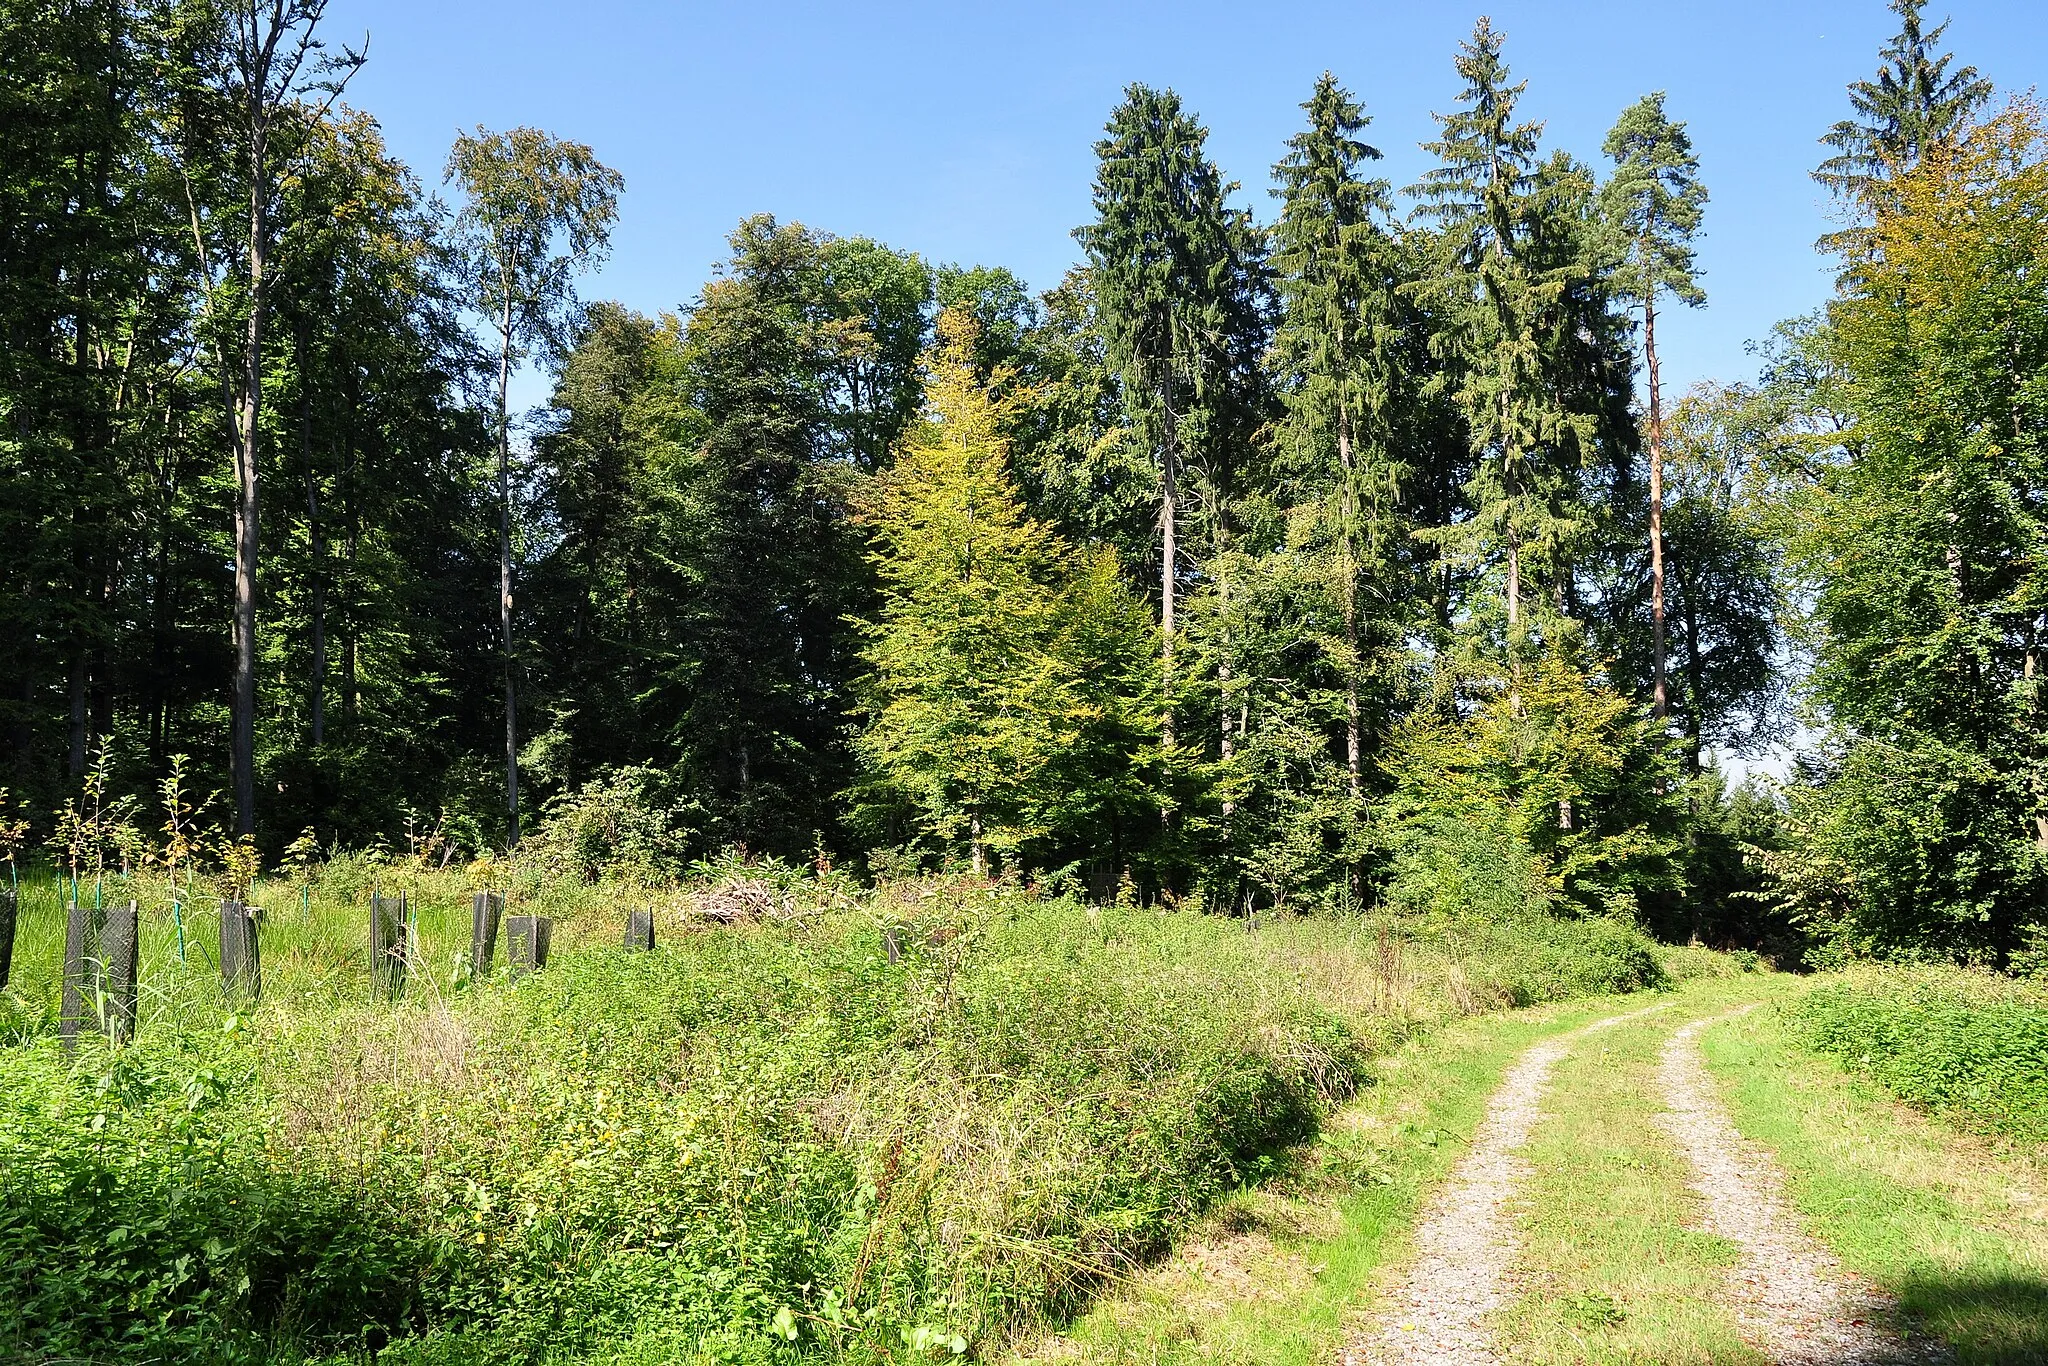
(963, 132)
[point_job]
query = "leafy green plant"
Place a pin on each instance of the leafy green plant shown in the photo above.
(1957, 1043)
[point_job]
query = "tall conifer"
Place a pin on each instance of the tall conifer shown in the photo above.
(1167, 257)
(1496, 289)
(1913, 103)
(1654, 203)
(1335, 345)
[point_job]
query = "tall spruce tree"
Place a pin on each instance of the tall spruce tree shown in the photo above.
(1335, 346)
(1913, 103)
(1167, 266)
(1495, 288)
(1654, 203)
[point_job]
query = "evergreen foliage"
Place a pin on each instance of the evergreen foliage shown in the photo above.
(861, 551)
(1502, 265)
(1913, 104)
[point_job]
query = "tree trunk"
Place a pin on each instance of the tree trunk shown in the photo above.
(316, 692)
(352, 535)
(1349, 533)
(1169, 519)
(74, 749)
(248, 413)
(1660, 688)
(505, 575)
(1694, 672)
(1514, 588)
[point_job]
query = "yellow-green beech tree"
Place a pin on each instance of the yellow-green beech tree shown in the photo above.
(987, 655)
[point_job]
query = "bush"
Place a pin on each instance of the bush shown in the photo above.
(846, 1126)
(1548, 788)
(1963, 1045)
(1536, 958)
(749, 1144)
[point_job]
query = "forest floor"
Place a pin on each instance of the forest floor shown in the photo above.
(1608, 1183)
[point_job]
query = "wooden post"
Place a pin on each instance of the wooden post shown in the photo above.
(120, 948)
(485, 908)
(10, 905)
(79, 935)
(387, 946)
(640, 930)
(241, 961)
(526, 947)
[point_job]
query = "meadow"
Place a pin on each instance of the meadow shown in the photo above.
(816, 1122)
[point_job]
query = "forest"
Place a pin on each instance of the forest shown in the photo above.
(1347, 555)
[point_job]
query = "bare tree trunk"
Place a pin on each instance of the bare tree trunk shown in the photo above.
(1694, 673)
(248, 414)
(1169, 522)
(352, 534)
(1514, 588)
(2033, 668)
(505, 574)
(74, 750)
(316, 700)
(1661, 703)
(1350, 515)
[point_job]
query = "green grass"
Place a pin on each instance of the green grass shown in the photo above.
(1956, 1228)
(1281, 1275)
(1613, 1266)
(1968, 1046)
(758, 1143)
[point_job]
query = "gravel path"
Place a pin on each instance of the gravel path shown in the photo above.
(1438, 1315)
(1794, 1300)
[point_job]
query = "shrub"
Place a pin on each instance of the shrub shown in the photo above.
(1960, 1044)
(780, 1139)
(1515, 793)
(855, 1128)
(1535, 958)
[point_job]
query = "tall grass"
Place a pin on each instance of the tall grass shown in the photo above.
(895, 1127)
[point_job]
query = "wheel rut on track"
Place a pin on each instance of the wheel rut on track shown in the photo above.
(1465, 1241)
(1793, 1298)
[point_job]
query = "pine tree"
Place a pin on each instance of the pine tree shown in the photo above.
(1335, 346)
(1915, 102)
(1654, 203)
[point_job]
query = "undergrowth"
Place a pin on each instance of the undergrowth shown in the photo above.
(894, 1126)
(1968, 1046)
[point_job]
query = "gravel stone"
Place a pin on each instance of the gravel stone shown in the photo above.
(1438, 1315)
(1794, 1300)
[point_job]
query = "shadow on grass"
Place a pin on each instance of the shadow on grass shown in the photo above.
(2002, 1319)
(107, 1259)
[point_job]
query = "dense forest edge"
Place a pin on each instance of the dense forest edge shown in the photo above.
(1353, 557)
(1063, 746)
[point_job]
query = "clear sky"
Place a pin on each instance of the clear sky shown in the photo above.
(964, 131)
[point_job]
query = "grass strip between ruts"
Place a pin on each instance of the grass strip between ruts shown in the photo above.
(1284, 1273)
(1613, 1265)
